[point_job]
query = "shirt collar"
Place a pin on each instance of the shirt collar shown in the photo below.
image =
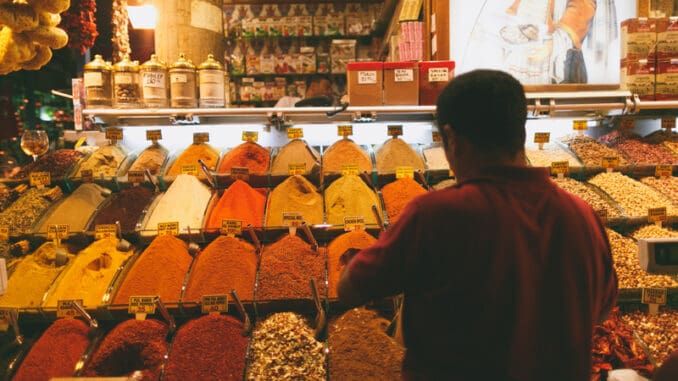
(507, 174)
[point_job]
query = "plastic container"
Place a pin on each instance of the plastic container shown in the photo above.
(365, 83)
(401, 83)
(211, 74)
(154, 83)
(183, 91)
(433, 77)
(126, 84)
(97, 80)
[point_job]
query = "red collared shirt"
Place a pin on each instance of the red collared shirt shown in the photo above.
(504, 276)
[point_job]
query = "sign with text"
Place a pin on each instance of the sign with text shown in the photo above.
(114, 133)
(580, 125)
(295, 133)
(560, 167)
(655, 215)
(664, 170)
(58, 231)
(65, 308)
(354, 223)
(240, 173)
(542, 137)
(87, 176)
(395, 130)
(153, 135)
(404, 172)
(627, 124)
(297, 169)
(214, 303)
(350, 169)
(40, 179)
(345, 130)
(292, 219)
(669, 123)
(104, 231)
(250, 136)
(654, 296)
(201, 137)
(168, 228)
(189, 169)
(4, 233)
(231, 227)
(141, 305)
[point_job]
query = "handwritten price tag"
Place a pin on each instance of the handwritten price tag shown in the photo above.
(345, 130)
(435, 136)
(294, 219)
(297, 169)
(354, 223)
(104, 231)
(168, 228)
(295, 133)
(250, 136)
(664, 170)
(65, 308)
(4, 233)
(240, 173)
(655, 215)
(231, 227)
(153, 135)
(350, 169)
(189, 169)
(201, 137)
(59, 231)
(580, 125)
(135, 177)
(214, 303)
(395, 130)
(560, 168)
(404, 172)
(114, 133)
(542, 137)
(654, 296)
(669, 123)
(141, 305)
(40, 179)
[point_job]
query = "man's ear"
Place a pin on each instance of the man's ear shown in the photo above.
(450, 137)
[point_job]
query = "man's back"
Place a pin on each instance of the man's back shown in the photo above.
(504, 274)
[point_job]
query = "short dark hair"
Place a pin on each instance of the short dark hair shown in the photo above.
(488, 108)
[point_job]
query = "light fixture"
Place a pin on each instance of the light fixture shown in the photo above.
(142, 15)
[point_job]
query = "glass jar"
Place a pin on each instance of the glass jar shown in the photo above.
(154, 83)
(97, 80)
(182, 83)
(211, 74)
(126, 84)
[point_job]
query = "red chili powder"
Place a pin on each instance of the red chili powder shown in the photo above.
(56, 352)
(133, 345)
(286, 267)
(249, 155)
(160, 270)
(225, 264)
(239, 202)
(208, 348)
(398, 194)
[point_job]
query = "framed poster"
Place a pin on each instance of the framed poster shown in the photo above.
(541, 42)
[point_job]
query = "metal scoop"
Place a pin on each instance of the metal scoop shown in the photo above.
(193, 247)
(321, 318)
(166, 315)
(61, 256)
(93, 324)
(247, 324)
(208, 174)
(392, 328)
(309, 235)
(377, 215)
(151, 180)
(255, 239)
(422, 179)
(123, 244)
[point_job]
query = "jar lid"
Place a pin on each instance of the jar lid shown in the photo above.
(126, 65)
(154, 63)
(98, 63)
(211, 63)
(182, 63)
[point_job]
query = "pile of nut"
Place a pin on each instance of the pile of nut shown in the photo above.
(284, 347)
(653, 231)
(634, 197)
(550, 153)
(589, 195)
(629, 272)
(666, 185)
(592, 152)
(660, 332)
(637, 150)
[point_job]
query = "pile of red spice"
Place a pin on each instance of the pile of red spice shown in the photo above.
(247, 155)
(208, 348)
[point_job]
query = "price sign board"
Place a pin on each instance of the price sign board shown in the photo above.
(542, 137)
(250, 136)
(354, 223)
(4, 233)
(189, 169)
(153, 135)
(58, 231)
(295, 133)
(654, 296)
(201, 137)
(240, 173)
(655, 215)
(580, 125)
(40, 179)
(297, 169)
(135, 177)
(669, 123)
(231, 227)
(345, 130)
(141, 305)
(664, 170)
(395, 130)
(168, 228)
(350, 169)
(294, 219)
(104, 231)
(404, 172)
(214, 303)
(114, 133)
(560, 168)
(610, 162)
(65, 308)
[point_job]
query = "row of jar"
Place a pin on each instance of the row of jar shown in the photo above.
(153, 85)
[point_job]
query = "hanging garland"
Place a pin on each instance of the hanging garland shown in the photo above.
(120, 39)
(79, 23)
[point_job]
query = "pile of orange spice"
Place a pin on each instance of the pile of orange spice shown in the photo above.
(357, 239)
(248, 155)
(239, 202)
(398, 194)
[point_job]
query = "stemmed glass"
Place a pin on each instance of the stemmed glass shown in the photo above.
(34, 143)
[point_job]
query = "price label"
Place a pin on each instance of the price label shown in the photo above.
(345, 130)
(354, 223)
(189, 169)
(168, 228)
(250, 136)
(395, 130)
(542, 137)
(297, 169)
(294, 219)
(240, 173)
(580, 125)
(6, 318)
(435, 136)
(4, 233)
(40, 179)
(214, 303)
(367, 77)
(141, 305)
(438, 74)
(560, 168)
(654, 296)
(231, 227)
(627, 123)
(295, 133)
(201, 137)
(153, 135)
(80, 142)
(87, 175)
(113, 133)
(664, 170)
(65, 308)
(669, 123)
(350, 169)
(611, 162)
(58, 231)
(655, 215)
(404, 172)
(105, 231)
(135, 177)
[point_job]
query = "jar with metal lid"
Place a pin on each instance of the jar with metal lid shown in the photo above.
(97, 81)
(211, 74)
(154, 83)
(182, 83)
(126, 84)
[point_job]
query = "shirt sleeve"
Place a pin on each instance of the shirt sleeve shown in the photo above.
(576, 19)
(380, 270)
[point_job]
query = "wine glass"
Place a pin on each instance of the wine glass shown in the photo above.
(34, 143)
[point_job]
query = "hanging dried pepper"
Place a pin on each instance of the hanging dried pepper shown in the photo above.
(80, 24)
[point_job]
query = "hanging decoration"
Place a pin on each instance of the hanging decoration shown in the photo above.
(120, 21)
(80, 24)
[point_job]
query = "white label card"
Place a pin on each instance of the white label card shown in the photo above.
(438, 74)
(404, 75)
(367, 77)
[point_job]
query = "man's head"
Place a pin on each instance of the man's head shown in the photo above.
(319, 86)
(481, 118)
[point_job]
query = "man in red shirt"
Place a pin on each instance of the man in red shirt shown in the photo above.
(504, 274)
